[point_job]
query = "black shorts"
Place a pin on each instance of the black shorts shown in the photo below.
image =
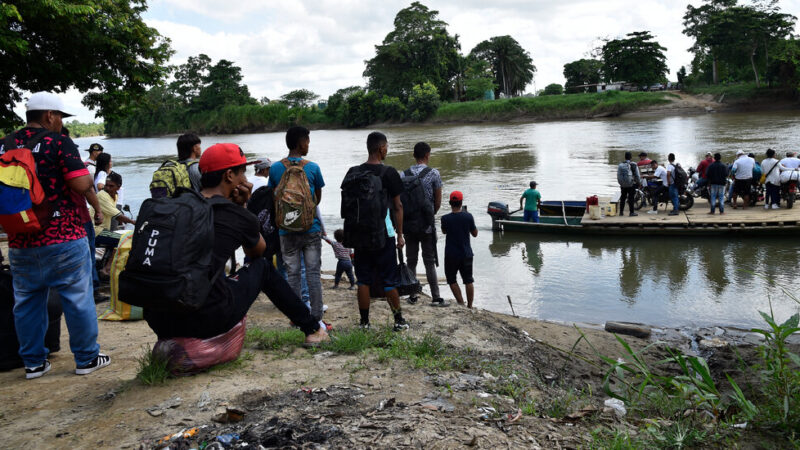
(742, 187)
(380, 264)
(454, 265)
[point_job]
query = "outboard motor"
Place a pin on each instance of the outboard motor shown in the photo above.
(498, 211)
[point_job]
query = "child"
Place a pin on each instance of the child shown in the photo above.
(457, 226)
(343, 255)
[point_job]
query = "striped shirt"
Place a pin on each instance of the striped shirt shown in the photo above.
(342, 253)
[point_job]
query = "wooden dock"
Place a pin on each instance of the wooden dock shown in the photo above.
(697, 220)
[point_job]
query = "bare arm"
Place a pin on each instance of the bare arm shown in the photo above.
(437, 200)
(397, 207)
(83, 185)
(318, 195)
(474, 232)
(258, 250)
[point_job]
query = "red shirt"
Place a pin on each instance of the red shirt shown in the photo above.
(703, 166)
(57, 160)
(644, 162)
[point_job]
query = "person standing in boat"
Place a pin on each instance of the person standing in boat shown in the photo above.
(660, 176)
(717, 175)
(628, 179)
(533, 200)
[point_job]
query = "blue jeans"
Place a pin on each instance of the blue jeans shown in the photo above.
(304, 251)
(344, 267)
(65, 268)
(716, 193)
(89, 227)
(303, 282)
(673, 195)
(530, 216)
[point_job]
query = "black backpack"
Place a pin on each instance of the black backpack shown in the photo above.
(169, 265)
(417, 209)
(681, 178)
(262, 205)
(364, 206)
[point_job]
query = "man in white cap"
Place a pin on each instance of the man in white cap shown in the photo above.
(261, 176)
(57, 257)
(743, 177)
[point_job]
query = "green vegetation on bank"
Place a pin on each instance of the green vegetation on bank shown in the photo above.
(742, 92)
(80, 129)
(550, 106)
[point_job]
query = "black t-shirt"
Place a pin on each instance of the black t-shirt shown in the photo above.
(716, 173)
(457, 228)
(234, 227)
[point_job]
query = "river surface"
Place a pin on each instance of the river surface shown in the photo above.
(665, 281)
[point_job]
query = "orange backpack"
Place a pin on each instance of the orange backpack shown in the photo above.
(295, 206)
(23, 206)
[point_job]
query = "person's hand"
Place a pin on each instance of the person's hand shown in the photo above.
(98, 218)
(241, 194)
(400, 241)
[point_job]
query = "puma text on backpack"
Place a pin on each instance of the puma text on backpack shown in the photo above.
(169, 264)
(171, 176)
(680, 177)
(625, 175)
(364, 208)
(23, 206)
(417, 209)
(295, 206)
(262, 205)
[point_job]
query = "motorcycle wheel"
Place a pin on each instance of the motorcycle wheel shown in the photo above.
(789, 201)
(685, 202)
(639, 200)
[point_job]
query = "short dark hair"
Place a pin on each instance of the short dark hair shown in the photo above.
(671, 157)
(293, 136)
(653, 161)
(456, 204)
(34, 116)
(338, 235)
(718, 156)
(770, 153)
(751, 155)
(114, 177)
(628, 156)
(375, 140)
(533, 185)
(213, 179)
(186, 143)
(421, 149)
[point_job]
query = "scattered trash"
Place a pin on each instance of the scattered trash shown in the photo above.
(204, 400)
(617, 405)
(229, 415)
(489, 376)
(387, 403)
(155, 412)
(484, 394)
(438, 404)
(740, 425)
(515, 417)
(713, 343)
(186, 434)
(583, 412)
(227, 439)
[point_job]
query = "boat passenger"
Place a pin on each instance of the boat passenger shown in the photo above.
(673, 187)
(772, 180)
(533, 201)
(717, 174)
(628, 178)
(789, 166)
(660, 175)
(701, 170)
(103, 168)
(743, 177)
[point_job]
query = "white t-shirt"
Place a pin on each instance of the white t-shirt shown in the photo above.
(743, 167)
(790, 163)
(100, 178)
(774, 176)
(90, 166)
(257, 181)
(671, 172)
(661, 172)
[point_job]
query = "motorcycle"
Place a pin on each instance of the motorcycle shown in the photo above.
(644, 197)
(789, 190)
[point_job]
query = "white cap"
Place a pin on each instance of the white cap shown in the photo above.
(262, 164)
(740, 152)
(46, 101)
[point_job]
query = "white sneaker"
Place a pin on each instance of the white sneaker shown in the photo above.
(652, 212)
(324, 307)
(766, 205)
(776, 206)
(100, 361)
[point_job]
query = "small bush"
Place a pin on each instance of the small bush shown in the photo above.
(423, 102)
(153, 368)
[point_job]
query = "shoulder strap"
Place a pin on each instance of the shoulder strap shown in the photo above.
(408, 172)
(772, 168)
(424, 172)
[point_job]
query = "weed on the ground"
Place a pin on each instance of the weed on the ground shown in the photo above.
(153, 368)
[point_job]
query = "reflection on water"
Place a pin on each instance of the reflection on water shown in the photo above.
(672, 281)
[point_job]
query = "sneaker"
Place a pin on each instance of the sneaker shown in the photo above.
(776, 206)
(440, 302)
(652, 211)
(364, 326)
(412, 300)
(335, 286)
(673, 213)
(99, 361)
(400, 325)
(766, 205)
(633, 214)
(324, 307)
(316, 338)
(36, 372)
(328, 327)
(352, 286)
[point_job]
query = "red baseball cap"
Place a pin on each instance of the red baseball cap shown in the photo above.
(222, 156)
(456, 196)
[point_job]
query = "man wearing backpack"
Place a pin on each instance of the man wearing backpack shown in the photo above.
(421, 198)
(369, 192)
(181, 173)
(298, 187)
(56, 255)
(226, 188)
(673, 184)
(628, 179)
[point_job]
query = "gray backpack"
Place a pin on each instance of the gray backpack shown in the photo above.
(625, 175)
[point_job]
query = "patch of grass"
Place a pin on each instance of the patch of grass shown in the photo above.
(273, 339)
(738, 91)
(153, 368)
(351, 341)
(237, 363)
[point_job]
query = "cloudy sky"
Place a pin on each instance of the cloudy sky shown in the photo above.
(321, 45)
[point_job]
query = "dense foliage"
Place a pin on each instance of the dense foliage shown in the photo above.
(552, 89)
(511, 65)
(79, 129)
(636, 59)
(98, 45)
(582, 72)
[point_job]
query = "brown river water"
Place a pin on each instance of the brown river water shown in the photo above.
(665, 281)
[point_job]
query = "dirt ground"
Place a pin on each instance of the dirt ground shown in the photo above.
(304, 398)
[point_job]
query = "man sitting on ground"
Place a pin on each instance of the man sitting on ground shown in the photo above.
(223, 177)
(108, 205)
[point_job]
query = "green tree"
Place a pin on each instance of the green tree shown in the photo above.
(681, 74)
(97, 45)
(299, 98)
(418, 50)
(512, 66)
(581, 72)
(478, 79)
(636, 59)
(336, 102)
(222, 87)
(553, 89)
(422, 102)
(190, 78)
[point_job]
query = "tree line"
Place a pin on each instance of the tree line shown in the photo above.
(122, 63)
